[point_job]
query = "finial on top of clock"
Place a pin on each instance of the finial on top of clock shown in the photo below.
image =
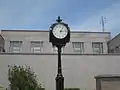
(59, 19)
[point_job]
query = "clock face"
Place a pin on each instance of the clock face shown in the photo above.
(60, 31)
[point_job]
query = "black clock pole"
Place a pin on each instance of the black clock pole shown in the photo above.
(59, 78)
(59, 43)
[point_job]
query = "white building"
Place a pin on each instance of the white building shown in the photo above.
(26, 41)
(83, 58)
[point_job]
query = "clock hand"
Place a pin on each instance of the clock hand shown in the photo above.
(61, 29)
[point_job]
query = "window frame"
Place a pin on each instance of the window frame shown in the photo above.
(100, 47)
(117, 49)
(13, 45)
(79, 49)
(32, 48)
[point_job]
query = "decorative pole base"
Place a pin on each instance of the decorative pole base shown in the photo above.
(59, 82)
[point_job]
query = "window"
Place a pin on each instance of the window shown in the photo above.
(36, 46)
(78, 47)
(15, 46)
(117, 49)
(97, 47)
(111, 51)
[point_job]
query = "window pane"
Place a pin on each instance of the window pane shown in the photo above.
(78, 47)
(97, 47)
(36, 46)
(117, 49)
(15, 46)
(16, 49)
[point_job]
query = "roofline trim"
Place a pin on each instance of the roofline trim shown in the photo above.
(22, 30)
(10, 53)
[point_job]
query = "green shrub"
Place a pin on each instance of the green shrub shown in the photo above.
(22, 78)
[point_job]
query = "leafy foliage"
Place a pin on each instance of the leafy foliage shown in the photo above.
(22, 78)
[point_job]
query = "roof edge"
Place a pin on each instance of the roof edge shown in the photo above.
(38, 30)
(114, 37)
(107, 76)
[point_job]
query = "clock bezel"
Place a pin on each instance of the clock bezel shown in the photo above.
(66, 25)
(61, 25)
(57, 41)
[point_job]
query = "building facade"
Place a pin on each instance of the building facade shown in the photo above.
(83, 58)
(114, 44)
(26, 41)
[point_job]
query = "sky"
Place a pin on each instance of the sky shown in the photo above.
(80, 15)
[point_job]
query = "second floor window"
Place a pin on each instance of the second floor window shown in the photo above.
(97, 47)
(15, 46)
(78, 47)
(117, 49)
(36, 46)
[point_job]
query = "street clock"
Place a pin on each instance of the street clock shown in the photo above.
(59, 33)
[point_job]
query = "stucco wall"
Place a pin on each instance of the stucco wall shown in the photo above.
(27, 36)
(78, 70)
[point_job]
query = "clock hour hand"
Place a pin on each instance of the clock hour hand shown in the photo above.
(61, 29)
